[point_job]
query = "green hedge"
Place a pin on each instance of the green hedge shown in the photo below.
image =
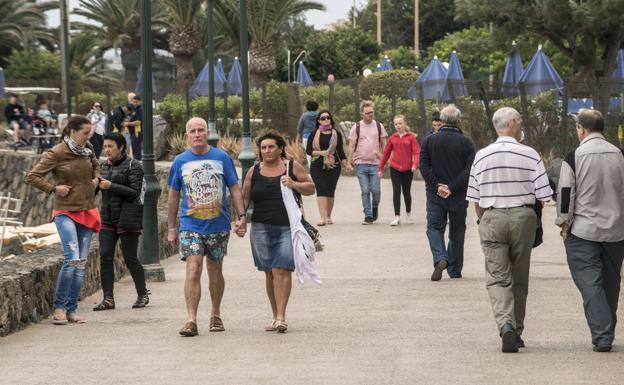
(388, 82)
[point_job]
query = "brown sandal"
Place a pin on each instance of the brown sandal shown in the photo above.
(59, 317)
(189, 329)
(216, 324)
(272, 327)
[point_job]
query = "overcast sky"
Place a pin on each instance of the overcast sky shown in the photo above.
(336, 9)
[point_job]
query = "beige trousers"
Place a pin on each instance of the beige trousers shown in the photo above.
(507, 237)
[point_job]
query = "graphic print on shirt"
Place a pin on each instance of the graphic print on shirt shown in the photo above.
(203, 180)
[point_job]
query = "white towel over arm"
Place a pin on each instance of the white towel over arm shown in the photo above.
(303, 244)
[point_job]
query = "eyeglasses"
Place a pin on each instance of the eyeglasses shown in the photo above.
(370, 113)
(97, 105)
(324, 117)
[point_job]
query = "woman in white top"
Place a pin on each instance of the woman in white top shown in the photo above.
(98, 122)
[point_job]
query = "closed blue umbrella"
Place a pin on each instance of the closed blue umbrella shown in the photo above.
(513, 72)
(455, 83)
(138, 89)
(386, 65)
(220, 78)
(618, 74)
(540, 75)
(303, 77)
(432, 79)
(2, 83)
(201, 83)
(234, 86)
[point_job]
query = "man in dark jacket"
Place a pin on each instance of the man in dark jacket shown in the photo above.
(445, 161)
(117, 117)
(13, 112)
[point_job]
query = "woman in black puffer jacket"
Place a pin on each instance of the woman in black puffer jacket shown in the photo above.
(122, 182)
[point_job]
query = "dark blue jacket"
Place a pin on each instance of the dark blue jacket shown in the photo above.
(446, 158)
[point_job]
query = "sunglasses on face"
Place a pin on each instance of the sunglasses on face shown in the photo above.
(97, 106)
(324, 117)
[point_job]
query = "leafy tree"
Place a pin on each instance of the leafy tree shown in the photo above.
(436, 19)
(184, 39)
(37, 65)
(401, 58)
(293, 36)
(22, 23)
(343, 52)
(589, 32)
(117, 25)
(266, 17)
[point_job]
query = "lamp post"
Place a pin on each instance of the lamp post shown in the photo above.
(66, 69)
(149, 253)
(246, 156)
(213, 136)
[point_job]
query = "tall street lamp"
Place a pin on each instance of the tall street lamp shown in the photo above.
(246, 156)
(213, 136)
(66, 69)
(149, 253)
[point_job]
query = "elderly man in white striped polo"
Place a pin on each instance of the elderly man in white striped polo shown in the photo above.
(505, 180)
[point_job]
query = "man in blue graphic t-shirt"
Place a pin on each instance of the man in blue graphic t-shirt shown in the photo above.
(200, 176)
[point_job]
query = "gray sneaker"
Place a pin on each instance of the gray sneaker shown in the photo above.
(368, 221)
(439, 268)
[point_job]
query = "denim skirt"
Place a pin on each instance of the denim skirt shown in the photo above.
(271, 247)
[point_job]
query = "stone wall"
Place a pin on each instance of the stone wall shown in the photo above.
(28, 281)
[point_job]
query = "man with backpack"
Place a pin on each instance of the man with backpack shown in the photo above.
(367, 139)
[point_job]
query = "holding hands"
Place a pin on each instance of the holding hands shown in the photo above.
(444, 191)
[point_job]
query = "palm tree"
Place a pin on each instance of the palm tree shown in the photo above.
(118, 26)
(22, 22)
(86, 54)
(266, 17)
(184, 39)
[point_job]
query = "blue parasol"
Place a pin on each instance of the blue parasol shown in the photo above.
(513, 72)
(234, 78)
(432, 79)
(2, 83)
(540, 75)
(200, 85)
(138, 89)
(303, 77)
(455, 84)
(618, 74)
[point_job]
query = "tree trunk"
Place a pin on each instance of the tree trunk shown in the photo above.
(261, 62)
(184, 73)
(130, 58)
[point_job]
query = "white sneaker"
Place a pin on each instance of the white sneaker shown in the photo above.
(395, 222)
(408, 219)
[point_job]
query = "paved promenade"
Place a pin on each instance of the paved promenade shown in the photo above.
(377, 319)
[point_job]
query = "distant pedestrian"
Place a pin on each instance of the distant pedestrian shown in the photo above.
(404, 150)
(436, 123)
(270, 234)
(367, 140)
(76, 174)
(98, 122)
(326, 147)
(121, 185)
(134, 125)
(590, 211)
(306, 126)
(200, 176)
(505, 180)
(445, 160)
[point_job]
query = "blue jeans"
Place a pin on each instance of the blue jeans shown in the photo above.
(437, 216)
(76, 240)
(370, 186)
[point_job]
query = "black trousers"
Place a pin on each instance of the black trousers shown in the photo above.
(401, 180)
(129, 246)
(97, 141)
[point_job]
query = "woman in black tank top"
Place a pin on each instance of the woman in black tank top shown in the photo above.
(271, 242)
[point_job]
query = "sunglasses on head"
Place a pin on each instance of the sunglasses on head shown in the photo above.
(325, 117)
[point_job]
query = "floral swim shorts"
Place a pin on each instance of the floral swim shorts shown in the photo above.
(213, 246)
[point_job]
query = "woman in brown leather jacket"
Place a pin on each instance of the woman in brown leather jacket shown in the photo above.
(75, 176)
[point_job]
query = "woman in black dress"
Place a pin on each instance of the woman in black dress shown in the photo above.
(325, 145)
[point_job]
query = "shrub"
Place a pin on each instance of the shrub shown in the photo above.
(85, 99)
(173, 110)
(388, 82)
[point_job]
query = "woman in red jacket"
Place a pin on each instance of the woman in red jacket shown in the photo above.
(405, 151)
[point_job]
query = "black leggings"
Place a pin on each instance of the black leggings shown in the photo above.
(401, 179)
(129, 246)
